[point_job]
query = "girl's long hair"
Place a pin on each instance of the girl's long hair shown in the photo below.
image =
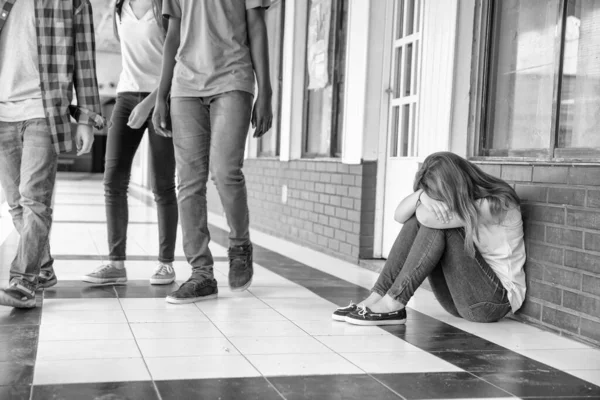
(156, 9)
(455, 181)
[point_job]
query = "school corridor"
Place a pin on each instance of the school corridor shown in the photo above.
(275, 341)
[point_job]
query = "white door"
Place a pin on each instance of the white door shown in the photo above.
(141, 163)
(400, 159)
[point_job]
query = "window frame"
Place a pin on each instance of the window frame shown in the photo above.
(483, 66)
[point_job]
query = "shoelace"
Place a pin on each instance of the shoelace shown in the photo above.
(161, 269)
(348, 306)
(102, 268)
(362, 311)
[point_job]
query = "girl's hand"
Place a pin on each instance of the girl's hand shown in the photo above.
(440, 209)
(160, 117)
(139, 115)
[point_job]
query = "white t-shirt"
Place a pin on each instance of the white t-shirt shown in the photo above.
(142, 43)
(20, 91)
(503, 248)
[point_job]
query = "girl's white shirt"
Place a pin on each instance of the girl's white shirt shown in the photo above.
(142, 42)
(502, 246)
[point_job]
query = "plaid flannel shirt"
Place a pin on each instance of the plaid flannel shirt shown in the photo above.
(67, 58)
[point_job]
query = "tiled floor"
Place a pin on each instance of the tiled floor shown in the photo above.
(275, 341)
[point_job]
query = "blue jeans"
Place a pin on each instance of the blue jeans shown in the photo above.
(28, 163)
(466, 287)
(121, 147)
(210, 133)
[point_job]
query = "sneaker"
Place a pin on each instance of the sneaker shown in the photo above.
(18, 294)
(47, 278)
(364, 316)
(341, 313)
(164, 274)
(106, 275)
(193, 290)
(240, 268)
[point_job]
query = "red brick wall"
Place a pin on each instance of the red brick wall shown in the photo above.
(330, 206)
(561, 210)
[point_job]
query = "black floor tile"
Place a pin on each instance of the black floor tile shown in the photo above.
(424, 326)
(15, 392)
(218, 389)
(145, 291)
(103, 391)
(16, 373)
(79, 290)
(542, 383)
(15, 316)
(18, 350)
(445, 385)
(457, 342)
(9, 333)
(347, 387)
(490, 361)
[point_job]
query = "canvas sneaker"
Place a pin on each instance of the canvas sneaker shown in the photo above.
(107, 274)
(240, 267)
(18, 294)
(164, 274)
(47, 278)
(194, 290)
(364, 316)
(341, 313)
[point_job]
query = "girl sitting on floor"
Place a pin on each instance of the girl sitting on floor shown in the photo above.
(463, 230)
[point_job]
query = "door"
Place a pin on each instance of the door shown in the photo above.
(400, 160)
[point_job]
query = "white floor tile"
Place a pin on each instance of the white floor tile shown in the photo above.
(152, 304)
(337, 328)
(296, 302)
(259, 329)
(205, 367)
(83, 317)
(399, 362)
(77, 331)
(279, 345)
(304, 313)
(366, 344)
(302, 364)
(570, 359)
(244, 314)
(229, 303)
(170, 315)
(186, 347)
(89, 371)
(87, 349)
(281, 292)
(51, 305)
(165, 330)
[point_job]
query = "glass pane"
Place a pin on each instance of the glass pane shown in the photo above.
(413, 128)
(408, 69)
(580, 95)
(399, 19)
(318, 141)
(405, 130)
(410, 17)
(397, 76)
(394, 133)
(417, 16)
(416, 68)
(522, 69)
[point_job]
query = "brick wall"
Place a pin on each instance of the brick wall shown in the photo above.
(330, 206)
(561, 210)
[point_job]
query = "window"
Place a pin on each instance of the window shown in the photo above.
(542, 95)
(326, 52)
(268, 145)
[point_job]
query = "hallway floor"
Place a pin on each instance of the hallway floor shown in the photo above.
(274, 341)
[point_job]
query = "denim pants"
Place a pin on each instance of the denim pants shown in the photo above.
(465, 287)
(28, 163)
(210, 133)
(121, 147)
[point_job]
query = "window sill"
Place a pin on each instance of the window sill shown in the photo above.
(523, 161)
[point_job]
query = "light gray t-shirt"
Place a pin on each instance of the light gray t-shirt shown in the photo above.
(20, 92)
(214, 54)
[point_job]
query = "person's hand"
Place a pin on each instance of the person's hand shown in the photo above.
(84, 139)
(139, 115)
(262, 115)
(439, 208)
(160, 117)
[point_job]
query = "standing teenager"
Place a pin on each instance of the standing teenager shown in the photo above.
(213, 52)
(140, 29)
(463, 230)
(47, 49)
